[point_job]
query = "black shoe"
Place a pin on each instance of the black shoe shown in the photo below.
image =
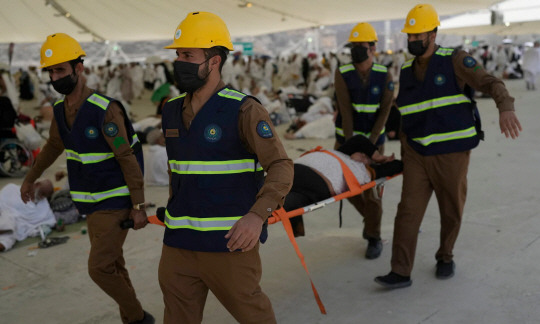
(445, 270)
(374, 249)
(147, 319)
(393, 281)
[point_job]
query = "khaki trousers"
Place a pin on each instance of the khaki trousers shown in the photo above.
(233, 277)
(369, 205)
(444, 174)
(106, 264)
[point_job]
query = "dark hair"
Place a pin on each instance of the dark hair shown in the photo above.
(217, 50)
(74, 62)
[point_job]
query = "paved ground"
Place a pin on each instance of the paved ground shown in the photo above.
(497, 253)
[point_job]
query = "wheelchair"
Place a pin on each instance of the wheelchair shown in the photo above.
(15, 158)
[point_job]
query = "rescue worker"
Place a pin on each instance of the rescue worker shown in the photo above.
(364, 92)
(440, 126)
(105, 169)
(218, 143)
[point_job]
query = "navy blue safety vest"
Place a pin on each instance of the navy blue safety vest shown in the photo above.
(365, 100)
(96, 181)
(437, 116)
(214, 180)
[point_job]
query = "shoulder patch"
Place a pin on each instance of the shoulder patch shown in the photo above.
(110, 129)
(391, 86)
(119, 141)
(264, 130)
(469, 61)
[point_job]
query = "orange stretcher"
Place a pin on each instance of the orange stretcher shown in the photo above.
(355, 188)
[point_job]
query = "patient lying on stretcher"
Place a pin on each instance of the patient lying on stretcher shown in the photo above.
(318, 175)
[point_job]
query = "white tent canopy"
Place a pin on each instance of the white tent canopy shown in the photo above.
(25, 21)
(514, 17)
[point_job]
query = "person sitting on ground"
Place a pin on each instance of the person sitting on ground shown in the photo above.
(318, 175)
(19, 220)
(156, 160)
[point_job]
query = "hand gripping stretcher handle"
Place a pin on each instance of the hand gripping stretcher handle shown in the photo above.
(160, 214)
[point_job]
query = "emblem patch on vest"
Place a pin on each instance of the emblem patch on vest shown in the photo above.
(264, 130)
(469, 61)
(391, 86)
(440, 79)
(91, 132)
(375, 90)
(110, 129)
(212, 133)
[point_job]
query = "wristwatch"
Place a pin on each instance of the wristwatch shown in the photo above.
(140, 206)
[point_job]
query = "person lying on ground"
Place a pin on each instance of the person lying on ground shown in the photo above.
(19, 220)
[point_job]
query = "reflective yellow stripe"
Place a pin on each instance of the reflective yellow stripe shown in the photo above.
(346, 68)
(93, 197)
(444, 51)
(433, 103)
(87, 158)
(339, 131)
(99, 101)
(443, 137)
(178, 97)
(365, 108)
(231, 94)
(407, 64)
(379, 68)
(200, 223)
(214, 167)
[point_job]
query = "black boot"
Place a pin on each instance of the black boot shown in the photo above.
(374, 249)
(393, 281)
(445, 270)
(147, 319)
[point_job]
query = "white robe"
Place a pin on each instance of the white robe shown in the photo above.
(28, 217)
(155, 166)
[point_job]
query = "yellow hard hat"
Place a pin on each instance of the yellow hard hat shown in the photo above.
(363, 32)
(60, 48)
(422, 18)
(201, 30)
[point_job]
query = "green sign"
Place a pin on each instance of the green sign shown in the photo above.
(245, 47)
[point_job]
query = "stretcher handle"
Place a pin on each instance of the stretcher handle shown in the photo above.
(157, 219)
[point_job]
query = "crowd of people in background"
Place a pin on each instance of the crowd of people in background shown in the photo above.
(296, 89)
(275, 81)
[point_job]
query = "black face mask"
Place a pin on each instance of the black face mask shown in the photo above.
(66, 84)
(187, 77)
(359, 54)
(417, 47)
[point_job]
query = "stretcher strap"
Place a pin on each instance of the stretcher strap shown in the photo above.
(155, 220)
(281, 215)
(288, 229)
